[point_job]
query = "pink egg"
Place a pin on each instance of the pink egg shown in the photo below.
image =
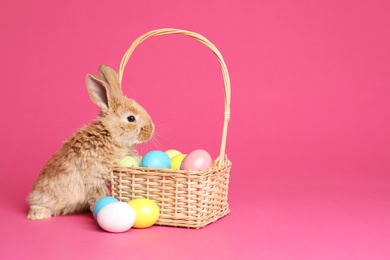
(197, 160)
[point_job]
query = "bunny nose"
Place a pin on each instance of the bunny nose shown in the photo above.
(146, 132)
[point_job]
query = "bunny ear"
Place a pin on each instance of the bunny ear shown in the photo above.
(97, 90)
(104, 91)
(109, 75)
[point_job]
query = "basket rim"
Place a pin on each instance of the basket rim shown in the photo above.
(143, 170)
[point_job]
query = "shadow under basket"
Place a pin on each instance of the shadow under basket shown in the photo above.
(191, 199)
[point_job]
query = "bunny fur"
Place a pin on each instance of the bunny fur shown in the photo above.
(77, 175)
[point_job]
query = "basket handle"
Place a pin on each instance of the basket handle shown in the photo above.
(206, 42)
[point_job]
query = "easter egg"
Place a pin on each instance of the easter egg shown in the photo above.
(177, 160)
(116, 217)
(156, 159)
(197, 160)
(100, 203)
(172, 153)
(146, 211)
(129, 161)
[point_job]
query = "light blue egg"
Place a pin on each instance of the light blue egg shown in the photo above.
(156, 159)
(103, 201)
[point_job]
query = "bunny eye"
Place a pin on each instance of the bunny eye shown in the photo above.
(131, 118)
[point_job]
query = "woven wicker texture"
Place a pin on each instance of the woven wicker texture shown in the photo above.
(191, 199)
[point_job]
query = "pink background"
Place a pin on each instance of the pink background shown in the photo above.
(309, 135)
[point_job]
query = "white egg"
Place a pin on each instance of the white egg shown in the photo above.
(116, 217)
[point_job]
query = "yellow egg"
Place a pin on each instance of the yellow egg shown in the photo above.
(172, 153)
(146, 212)
(176, 161)
(129, 161)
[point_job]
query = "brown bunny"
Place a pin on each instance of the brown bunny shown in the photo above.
(76, 176)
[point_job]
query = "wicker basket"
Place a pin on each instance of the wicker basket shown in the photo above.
(191, 199)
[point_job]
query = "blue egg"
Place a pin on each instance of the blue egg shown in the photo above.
(103, 201)
(156, 159)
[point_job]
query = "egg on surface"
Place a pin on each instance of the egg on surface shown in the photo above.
(100, 203)
(197, 160)
(146, 211)
(116, 217)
